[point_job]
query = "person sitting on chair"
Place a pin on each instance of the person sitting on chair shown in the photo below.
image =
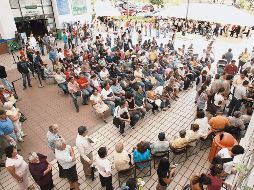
(121, 157)
(181, 141)
(162, 144)
(141, 153)
(192, 134)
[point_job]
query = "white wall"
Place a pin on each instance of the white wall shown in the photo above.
(70, 18)
(7, 23)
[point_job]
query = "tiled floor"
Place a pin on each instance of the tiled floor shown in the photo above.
(45, 106)
(179, 116)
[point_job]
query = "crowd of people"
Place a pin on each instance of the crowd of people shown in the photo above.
(127, 80)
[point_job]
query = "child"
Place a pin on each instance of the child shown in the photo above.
(104, 169)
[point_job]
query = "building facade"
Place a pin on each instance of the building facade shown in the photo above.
(40, 16)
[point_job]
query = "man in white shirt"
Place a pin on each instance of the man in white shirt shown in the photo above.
(122, 115)
(226, 153)
(160, 145)
(104, 168)
(104, 74)
(61, 81)
(83, 143)
(239, 95)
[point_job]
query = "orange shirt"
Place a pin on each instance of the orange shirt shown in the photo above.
(219, 122)
(83, 82)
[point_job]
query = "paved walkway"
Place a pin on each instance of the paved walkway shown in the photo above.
(178, 117)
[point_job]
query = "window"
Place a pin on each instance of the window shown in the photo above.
(14, 4)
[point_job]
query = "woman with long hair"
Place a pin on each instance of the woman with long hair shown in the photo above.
(198, 182)
(165, 176)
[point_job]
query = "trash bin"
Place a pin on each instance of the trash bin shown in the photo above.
(59, 34)
(223, 140)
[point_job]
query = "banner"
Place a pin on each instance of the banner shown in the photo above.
(79, 7)
(63, 7)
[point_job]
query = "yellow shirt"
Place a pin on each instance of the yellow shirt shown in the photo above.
(153, 55)
(179, 142)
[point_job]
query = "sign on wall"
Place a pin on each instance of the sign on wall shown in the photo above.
(63, 7)
(79, 7)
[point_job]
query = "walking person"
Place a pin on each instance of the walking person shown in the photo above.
(84, 145)
(23, 68)
(41, 45)
(52, 137)
(76, 92)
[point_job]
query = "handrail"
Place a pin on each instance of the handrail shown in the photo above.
(14, 89)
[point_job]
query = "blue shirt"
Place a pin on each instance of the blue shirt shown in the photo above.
(6, 127)
(139, 157)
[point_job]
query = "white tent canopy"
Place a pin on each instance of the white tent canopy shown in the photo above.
(104, 8)
(210, 12)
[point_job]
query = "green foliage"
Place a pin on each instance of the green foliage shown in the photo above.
(157, 2)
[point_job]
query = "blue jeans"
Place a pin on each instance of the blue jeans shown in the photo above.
(111, 104)
(26, 77)
(87, 92)
(64, 87)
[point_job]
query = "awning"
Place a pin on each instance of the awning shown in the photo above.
(210, 12)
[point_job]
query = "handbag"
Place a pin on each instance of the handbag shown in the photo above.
(22, 118)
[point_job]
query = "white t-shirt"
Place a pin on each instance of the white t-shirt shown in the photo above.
(240, 91)
(119, 111)
(64, 157)
(103, 166)
(224, 153)
(105, 93)
(104, 74)
(21, 167)
(96, 99)
(204, 126)
(217, 99)
(159, 90)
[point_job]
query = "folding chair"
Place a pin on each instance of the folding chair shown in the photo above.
(159, 155)
(179, 151)
(125, 174)
(141, 166)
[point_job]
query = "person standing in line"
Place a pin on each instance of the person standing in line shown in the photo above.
(17, 167)
(23, 68)
(83, 143)
(41, 170)
(104, 168)
(53, 136)
(65, 156)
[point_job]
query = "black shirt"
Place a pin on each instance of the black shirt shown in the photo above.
(162, 175)
(3, 73)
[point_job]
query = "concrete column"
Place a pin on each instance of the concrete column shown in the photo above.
(7, 23)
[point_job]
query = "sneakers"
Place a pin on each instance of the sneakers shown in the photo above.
(21, 140)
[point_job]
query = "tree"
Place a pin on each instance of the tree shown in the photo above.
(156, 2)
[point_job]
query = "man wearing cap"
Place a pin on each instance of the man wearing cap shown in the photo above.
(231, 68)
(161, 144)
